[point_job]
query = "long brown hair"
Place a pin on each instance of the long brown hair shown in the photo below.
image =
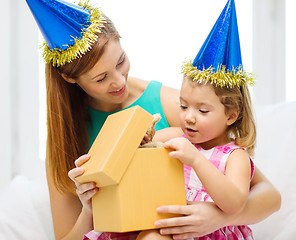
(67, 136)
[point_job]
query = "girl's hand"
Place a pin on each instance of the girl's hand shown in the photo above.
(199, 219)
(183, 150)
(84, 191)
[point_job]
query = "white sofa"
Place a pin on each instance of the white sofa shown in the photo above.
(276, 158)
(24, 204)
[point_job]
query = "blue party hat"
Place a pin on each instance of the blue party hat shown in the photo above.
(219, 59)
(68, 29)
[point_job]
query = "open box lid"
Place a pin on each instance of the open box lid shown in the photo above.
(115, 146)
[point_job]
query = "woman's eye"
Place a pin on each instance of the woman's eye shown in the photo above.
(102, 79)
(121, 62)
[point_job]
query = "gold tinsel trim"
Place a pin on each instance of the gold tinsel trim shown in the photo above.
(222, 77)
(59, 57)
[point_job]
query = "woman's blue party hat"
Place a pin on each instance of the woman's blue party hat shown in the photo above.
(219, 59)
(68, 29)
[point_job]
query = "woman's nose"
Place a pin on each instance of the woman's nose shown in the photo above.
(118, 79)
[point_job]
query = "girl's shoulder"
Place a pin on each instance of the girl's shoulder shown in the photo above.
(228, 148)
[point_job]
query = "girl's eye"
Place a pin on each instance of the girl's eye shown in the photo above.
(183, 107)
(203, 111)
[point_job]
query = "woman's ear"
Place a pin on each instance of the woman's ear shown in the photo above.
(67, 79)
(232, 117)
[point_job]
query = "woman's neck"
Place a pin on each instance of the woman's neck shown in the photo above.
(104, 106)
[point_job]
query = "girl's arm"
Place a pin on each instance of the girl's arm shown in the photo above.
(70, 219)
(229, 191)
(166, 134)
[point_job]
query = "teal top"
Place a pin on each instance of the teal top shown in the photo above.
(149, 100)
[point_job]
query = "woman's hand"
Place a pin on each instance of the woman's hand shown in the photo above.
(199, 219)
(84, 191)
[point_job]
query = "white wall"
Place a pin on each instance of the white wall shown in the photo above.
(269, 51)
(5, 101)
(19, 92)
(156, 47)
(159, 35)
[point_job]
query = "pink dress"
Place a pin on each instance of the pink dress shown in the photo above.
(196, 192)
(108, 236)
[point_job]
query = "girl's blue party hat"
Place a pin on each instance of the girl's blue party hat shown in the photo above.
(219, 59)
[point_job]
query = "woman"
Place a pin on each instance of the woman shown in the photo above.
(83, 87)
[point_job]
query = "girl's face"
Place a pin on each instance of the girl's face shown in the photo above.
(105, 83)
(202, 115)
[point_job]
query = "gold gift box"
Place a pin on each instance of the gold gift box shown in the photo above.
(133, 181)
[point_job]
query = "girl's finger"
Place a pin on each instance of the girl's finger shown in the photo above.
(172, 143)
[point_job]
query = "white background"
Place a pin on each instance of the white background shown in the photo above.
(157, 36)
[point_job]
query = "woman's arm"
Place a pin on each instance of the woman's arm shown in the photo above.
(201, 218)
(70, 219)
(263, 200)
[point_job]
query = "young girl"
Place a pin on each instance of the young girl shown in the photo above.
(219, 137)
(87, 79)
(218, 128)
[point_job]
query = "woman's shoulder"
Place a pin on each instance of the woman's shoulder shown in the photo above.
(137, 84)
(171, 104)
(169, 98)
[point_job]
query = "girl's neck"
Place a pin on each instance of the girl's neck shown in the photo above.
(214, 143)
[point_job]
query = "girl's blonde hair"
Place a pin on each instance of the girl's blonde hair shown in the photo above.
(243, 130)
(67, 136)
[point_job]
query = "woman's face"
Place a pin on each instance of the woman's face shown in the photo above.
(105, 83)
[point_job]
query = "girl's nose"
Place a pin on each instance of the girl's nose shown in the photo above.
(190, 117)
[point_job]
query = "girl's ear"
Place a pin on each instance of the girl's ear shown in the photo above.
(232, 117)
(68, 79)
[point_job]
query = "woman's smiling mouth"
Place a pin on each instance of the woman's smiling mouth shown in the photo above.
(118, 92)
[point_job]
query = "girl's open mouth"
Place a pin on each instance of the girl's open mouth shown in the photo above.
(190, 131)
